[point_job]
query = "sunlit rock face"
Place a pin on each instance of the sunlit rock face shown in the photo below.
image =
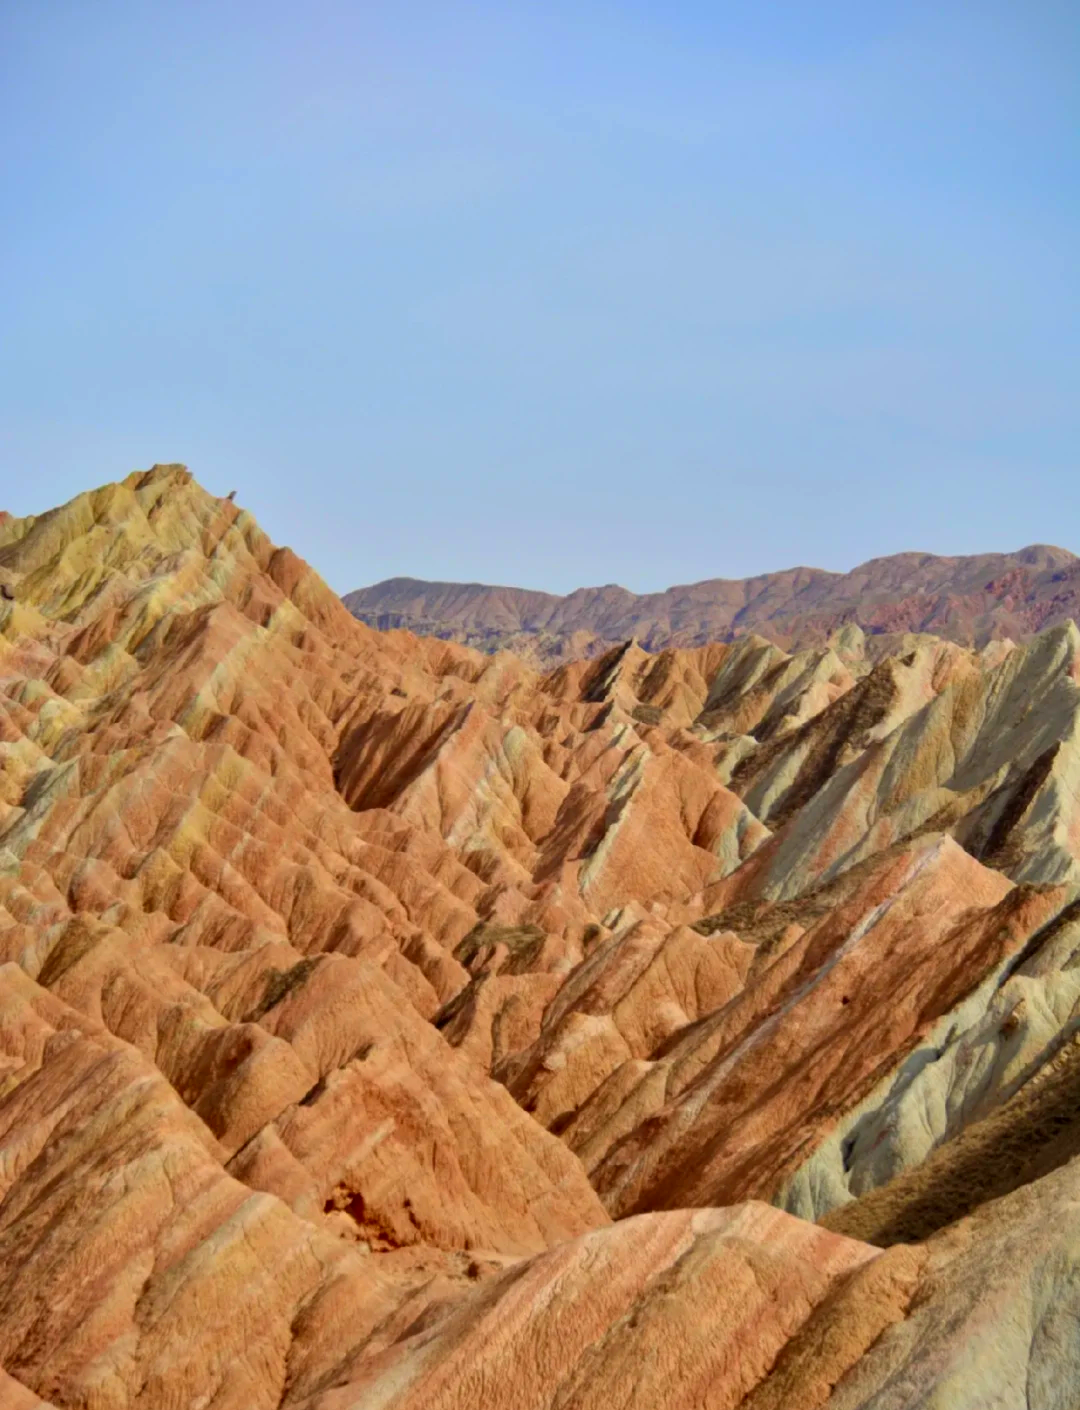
(385, 1024)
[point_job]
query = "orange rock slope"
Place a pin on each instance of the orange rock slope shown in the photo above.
(387, 1025)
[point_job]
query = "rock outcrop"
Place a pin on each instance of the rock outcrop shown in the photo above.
(384, 1024)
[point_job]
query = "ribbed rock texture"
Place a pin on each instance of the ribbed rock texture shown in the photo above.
(970, 600)
(384, 1024)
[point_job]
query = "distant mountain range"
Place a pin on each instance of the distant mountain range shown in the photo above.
(970, 600)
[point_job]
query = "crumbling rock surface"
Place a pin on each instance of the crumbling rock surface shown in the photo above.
(384, 1024)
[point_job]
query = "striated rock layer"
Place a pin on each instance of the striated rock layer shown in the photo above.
(383, 1024)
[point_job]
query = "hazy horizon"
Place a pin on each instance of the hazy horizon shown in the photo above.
(593, 294)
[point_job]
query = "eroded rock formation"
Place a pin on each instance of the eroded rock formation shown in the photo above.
(383, 1024)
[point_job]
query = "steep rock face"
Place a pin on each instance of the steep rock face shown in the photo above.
(745, 1308)
(351, 983)
(133, 1270)
(687, 1308)
(748, 1091)
(991, 1320)
(970, 600)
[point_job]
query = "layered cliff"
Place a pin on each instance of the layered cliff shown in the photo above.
(385, 1024)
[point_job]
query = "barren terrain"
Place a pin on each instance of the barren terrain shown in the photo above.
(388, 1024)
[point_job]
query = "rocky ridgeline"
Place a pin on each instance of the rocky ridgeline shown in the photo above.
(970, 600)
(384, 1024)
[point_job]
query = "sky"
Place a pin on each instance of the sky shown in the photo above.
(552, 294)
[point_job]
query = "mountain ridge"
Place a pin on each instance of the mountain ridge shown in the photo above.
(970, 599)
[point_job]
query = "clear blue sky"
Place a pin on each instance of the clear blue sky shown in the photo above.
(551, 294)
